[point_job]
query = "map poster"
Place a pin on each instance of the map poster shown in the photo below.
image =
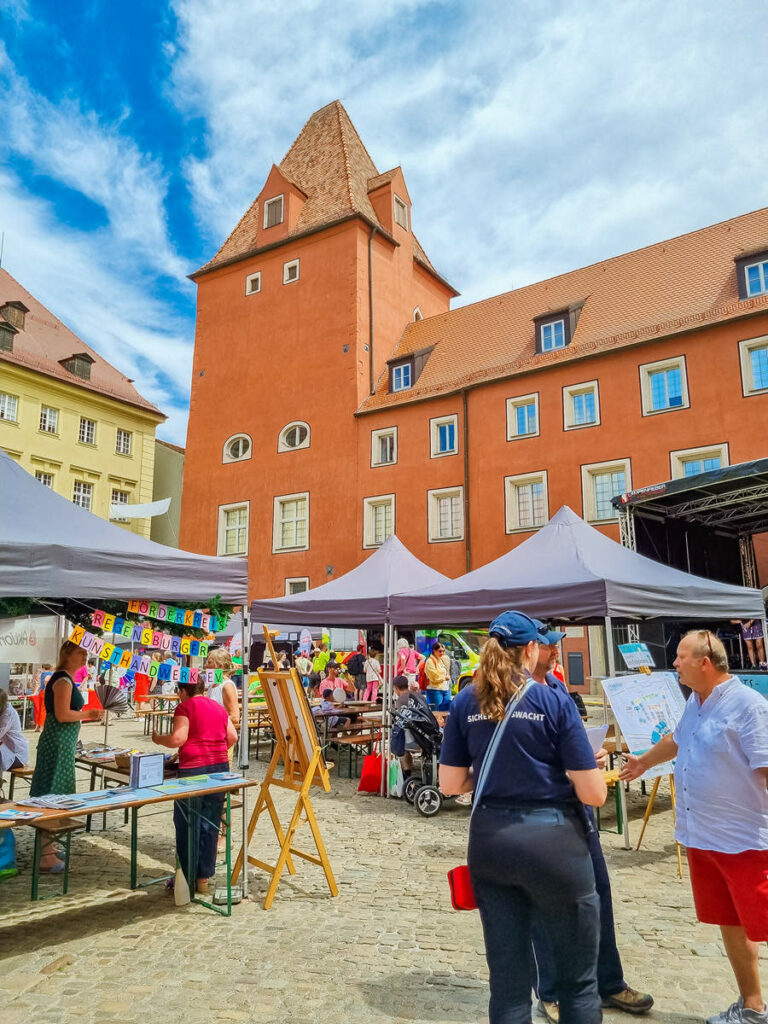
(646, 707)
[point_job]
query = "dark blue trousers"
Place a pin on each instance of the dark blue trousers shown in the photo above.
(610, 974)
(205, 814)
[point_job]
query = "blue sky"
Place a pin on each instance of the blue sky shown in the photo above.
(535, 135)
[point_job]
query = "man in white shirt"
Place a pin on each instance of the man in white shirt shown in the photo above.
(721, 745)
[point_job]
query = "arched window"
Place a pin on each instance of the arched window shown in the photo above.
(295, 435)
(417, 315)
(237, 448)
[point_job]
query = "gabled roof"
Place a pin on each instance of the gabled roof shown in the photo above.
(330, 165)
(45, 342)
(671, 287)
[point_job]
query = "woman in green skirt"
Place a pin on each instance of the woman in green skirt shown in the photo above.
(55, 764)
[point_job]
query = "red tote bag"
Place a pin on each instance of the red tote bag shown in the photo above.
(370, 776)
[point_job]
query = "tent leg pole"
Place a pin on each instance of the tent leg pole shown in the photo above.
(612, 672)
(384, 745)
(244, 737)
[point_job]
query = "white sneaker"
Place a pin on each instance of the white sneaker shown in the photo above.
(737, 1013)
(465, 799)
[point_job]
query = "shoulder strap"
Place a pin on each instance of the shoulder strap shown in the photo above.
(495, 740)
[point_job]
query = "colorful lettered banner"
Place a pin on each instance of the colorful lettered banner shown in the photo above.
(180, 616)
(137, 634)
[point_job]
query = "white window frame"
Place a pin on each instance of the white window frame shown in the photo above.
(88, 494)
(400, 206)
(376, 435)
(122, 500)
(511, 483)
(129, 435)
(81, 432)
(512, 406)
(268, 204)
(49, 420)
(433, 507)
(221, 532)
(569, 393)
(646, 369)
(277, 522)
(283, 446)
(745, 349)
(402, 367)
(678, 459)
(286, 271)
(7, 400)
(46, 479)
(417, 314)
(552, 324)
(253, 283)
(588, 474)
(296, 579)
(763, 265)
(434, 435)
(226, 456)
(368, 505)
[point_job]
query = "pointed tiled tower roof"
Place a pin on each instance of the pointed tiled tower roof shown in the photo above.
(330, 165)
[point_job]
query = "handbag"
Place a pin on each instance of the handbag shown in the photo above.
(459, 882)
(370, 776)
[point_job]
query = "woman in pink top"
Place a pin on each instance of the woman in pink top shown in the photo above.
(203, 733)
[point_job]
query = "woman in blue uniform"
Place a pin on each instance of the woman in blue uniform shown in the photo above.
(527, 838)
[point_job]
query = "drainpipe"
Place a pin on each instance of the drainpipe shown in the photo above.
(371, 381)
(465, 432)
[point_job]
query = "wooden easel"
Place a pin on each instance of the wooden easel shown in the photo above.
(296, 745)
(652, 797)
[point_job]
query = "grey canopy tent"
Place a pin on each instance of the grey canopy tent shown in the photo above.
(570, 571)
(360, 597)
(50, 547)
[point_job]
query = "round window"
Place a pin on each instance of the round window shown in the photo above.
(238, 448)
(295, 436)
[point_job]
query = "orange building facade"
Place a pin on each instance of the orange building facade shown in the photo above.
(336, 398)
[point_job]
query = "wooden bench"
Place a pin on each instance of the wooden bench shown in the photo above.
(25, 772)
(54, 829)
(354, 742)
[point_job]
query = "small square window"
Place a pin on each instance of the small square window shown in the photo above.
(446, 514)
(378, 520)
(664, 386)
(526, 501)
(273, 212)
(384, 446)
(46, 479)
(87, 432)
(443, 436)
(233, 529)
(9, 407)
(401, 376)
(757, 278)
(692, 461)
(290, 272)
(296, 585)
(291, 523)
(581, 405)
(49, 419)
(553, 335)
(82, 495)
(123, 442)
(753, 354)
(522, 416)
(401, 213)
(253, 283)
(600, 483)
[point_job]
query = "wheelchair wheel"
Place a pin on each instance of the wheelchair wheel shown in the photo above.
(428, 801)
(410, 787)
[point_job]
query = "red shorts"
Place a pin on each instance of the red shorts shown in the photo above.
(731, 889)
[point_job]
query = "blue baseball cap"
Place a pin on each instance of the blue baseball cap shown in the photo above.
(547, 635)
(514, 629)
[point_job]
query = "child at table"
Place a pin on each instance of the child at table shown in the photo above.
(326, 704)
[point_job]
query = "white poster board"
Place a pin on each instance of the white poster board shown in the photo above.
(31, 640)
(646, 707)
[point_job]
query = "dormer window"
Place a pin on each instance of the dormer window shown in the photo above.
(553, 335)
(400, 376)
(79, 364)
(757, 278)
(6, 336)
(14, 313)
(401, 213)
(273, 212)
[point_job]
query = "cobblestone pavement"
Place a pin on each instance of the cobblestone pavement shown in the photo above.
(387, 949)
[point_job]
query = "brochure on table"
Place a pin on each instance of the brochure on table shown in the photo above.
(646, 707)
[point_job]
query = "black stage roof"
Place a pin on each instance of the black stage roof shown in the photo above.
(733, 499)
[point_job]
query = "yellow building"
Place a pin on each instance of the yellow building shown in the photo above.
(68, 416)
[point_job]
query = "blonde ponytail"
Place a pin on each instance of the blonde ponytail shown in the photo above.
(499, 677)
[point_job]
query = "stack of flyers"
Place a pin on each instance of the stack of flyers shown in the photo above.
(13, 814)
